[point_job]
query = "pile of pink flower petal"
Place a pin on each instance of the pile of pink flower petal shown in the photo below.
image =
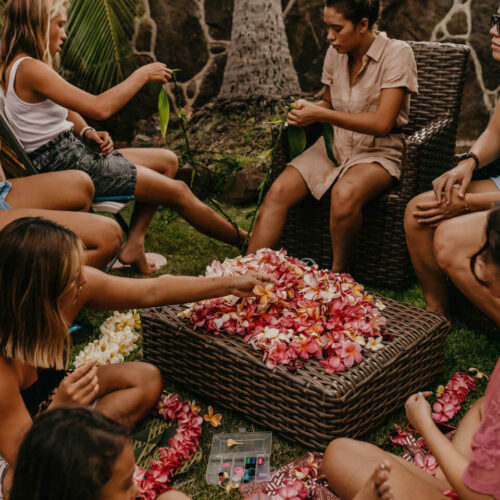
(308, 313)
(183, 445)
(450, 402)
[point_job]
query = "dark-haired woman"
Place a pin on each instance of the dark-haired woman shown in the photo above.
(368, 80)
(45, 285)
(468, 465)
(444, 227)
(77, 454)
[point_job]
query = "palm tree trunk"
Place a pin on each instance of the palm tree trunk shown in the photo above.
(259, 63)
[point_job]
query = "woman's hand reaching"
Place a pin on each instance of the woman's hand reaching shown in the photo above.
(155, 72)
(243, 286)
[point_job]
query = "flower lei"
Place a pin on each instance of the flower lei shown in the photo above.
(183, 445)
(444, 409)
(119, 334)
(452, 396)
(309, 313)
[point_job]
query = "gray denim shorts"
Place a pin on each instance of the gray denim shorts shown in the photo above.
(112, 175)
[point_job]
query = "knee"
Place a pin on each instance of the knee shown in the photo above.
(149, 381)
(337, 449)
(411, 222)
(445, 249)
(181, 194)
(85, 187)
(113, 236)
(171, 163)
(344, 204)
(277, 195)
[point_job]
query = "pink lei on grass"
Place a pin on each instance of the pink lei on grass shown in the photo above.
(183, 445)
(308, 313)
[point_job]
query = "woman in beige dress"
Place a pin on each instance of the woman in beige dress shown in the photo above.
(368, 80)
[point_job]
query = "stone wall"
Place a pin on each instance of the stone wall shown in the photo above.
(194, 35)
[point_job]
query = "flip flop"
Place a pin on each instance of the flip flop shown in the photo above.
(158, 260)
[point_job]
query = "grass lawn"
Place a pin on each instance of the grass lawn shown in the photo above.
(188, 252)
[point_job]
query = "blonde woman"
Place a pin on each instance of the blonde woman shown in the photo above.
(46, 113)
(45, 285)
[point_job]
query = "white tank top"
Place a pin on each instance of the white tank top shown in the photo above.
(34, 124)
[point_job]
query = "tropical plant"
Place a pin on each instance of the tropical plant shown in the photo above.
(98, 50)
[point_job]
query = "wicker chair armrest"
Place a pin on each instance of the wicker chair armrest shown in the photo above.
(429, 153)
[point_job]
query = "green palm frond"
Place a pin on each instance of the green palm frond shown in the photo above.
(98, 52)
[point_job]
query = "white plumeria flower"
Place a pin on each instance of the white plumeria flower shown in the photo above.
(374, 344)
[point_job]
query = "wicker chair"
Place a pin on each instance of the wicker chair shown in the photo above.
(381, 256)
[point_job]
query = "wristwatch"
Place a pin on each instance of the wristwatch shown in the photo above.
(472, 155)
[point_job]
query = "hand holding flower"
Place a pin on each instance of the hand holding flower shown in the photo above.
(243, 286)
(304, 113)
(418, 410)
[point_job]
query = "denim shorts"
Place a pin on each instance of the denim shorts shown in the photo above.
(4, 191)
(112, 175)
(496, 180)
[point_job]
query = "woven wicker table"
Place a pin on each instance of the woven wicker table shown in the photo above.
(308, 406)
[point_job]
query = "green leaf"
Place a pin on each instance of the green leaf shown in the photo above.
(267, 154)
(328, 137)
(164, 111)
(276, 122)
(296, 141)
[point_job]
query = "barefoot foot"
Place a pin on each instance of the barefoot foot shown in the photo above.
(378, 487)
(135, 256)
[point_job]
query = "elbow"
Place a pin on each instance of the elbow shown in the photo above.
(382, 129)
(101, 113)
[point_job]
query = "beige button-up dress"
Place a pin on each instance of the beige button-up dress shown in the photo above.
(387, 64)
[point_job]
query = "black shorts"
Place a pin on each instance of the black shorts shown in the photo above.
(112, 175)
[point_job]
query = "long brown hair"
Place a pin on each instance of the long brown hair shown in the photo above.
(26, 28)
(39, 261)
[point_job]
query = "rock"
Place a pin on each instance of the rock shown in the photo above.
(142, 141)
(243, 186)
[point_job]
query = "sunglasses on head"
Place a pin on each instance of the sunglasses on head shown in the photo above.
(495, 21)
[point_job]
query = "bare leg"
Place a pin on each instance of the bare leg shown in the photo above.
(359, 185)
(128, 391)
(455, 242)
(420, 239)
(101, 236)
(286, 191)
(155, 189)
(165, 163)
(349, 466)
(68, 190)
